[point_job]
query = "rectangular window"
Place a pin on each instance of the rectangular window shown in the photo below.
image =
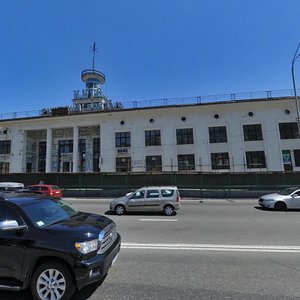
(217, 134)
(252, 132)
(297, 157)
(122, 139)
(288, 130)
(220, 161)
(96, 154)
(123, 164)
(4, 167)
(255, 159)
(186, 162)
(153, 163)
(65, 146)
(184, 136)
(81, 146)
(42, 157)
(81, 153)
(5, 147)
(152, 138)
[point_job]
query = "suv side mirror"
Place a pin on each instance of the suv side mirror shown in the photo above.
(11, 225)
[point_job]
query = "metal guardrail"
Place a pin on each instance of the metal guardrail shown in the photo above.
(170, 101)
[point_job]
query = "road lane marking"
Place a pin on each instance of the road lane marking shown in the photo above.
(158, 220)
(213, 247)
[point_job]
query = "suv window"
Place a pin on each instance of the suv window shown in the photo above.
(9, 214)
(152, 194)
(44, 188)
(167, 193)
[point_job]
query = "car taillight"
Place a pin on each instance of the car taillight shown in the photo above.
(178, 198)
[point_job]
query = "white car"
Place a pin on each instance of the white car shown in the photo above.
(283, 200)
(11, 186)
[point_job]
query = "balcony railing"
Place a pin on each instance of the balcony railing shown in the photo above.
(161, 102)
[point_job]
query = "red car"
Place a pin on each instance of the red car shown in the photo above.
(47, 189)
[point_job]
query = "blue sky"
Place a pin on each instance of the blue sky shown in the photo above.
(147, 49)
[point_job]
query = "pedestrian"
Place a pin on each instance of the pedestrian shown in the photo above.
(41, 181)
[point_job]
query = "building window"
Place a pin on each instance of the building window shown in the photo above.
(297, 157)
(186, 162)
(153, 163)
(82, 153)
(184, 136)
(96, 154)
(65, 146)
(122, 139)
(217, 134)
(220, 161)
(123, 164)
(152, 138)
(255, 159)
(42, 157)
(252, 132)
(4, 167)
(288, 130)
(5, 147)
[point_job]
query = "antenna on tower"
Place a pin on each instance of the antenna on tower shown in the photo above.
(94, 50)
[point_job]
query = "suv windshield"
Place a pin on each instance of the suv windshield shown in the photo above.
(48, 212)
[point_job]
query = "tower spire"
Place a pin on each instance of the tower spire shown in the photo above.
(94, 50)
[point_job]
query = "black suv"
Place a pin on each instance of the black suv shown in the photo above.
(50, 246)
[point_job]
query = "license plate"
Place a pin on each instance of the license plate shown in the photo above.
(115, 259)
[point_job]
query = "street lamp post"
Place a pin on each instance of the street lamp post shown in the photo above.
(296, 56)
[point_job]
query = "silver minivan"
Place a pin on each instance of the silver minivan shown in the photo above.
(152, 198)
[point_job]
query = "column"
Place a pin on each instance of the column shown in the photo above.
(75, 148)
(49, 150)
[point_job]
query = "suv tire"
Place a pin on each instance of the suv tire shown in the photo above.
(54, 279)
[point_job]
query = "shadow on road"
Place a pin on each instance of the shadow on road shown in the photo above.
(274, 210)
(111, 213)
(83, 294)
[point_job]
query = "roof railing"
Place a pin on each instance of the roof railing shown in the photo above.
(161, 102)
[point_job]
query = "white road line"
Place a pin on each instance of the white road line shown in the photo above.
(158, 220)
(212, 247)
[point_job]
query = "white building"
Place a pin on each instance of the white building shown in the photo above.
(95, 135)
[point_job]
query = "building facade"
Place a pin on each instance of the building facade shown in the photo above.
(95, 135)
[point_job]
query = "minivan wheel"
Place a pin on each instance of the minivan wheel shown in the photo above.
(120, 210)
(52, 280)
(169, 210)
(280, 206)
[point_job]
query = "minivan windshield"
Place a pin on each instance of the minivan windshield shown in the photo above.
(49, 211)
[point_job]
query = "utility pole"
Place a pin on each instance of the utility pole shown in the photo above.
(296, 56)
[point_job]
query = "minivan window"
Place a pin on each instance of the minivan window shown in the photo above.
(167, 193)
(152, 194)
(138, 195)
(35, 188)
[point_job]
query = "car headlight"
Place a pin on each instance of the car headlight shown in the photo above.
(87, 247)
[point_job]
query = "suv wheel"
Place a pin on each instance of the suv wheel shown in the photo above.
(169, 210)
(120, 210)
(52, 280)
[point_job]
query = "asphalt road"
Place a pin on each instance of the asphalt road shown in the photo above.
(212, 249)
